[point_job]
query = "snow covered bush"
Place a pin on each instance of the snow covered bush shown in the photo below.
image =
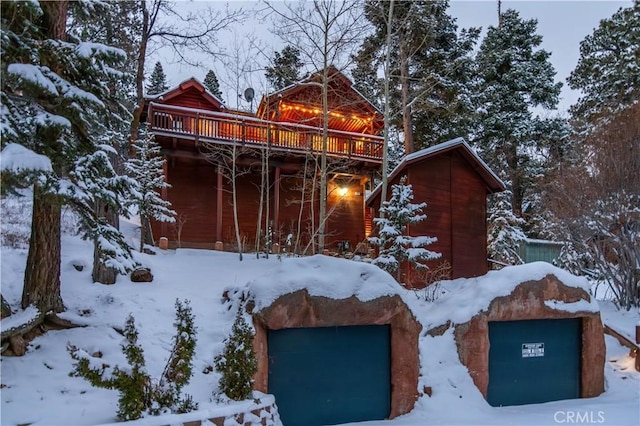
(139, 393)
(504, 232)
(147, 170)
(237, 363)
(395, 246)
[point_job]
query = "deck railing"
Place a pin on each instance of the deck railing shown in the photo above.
(225, 128)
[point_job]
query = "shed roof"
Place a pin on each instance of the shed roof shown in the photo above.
(493, 182)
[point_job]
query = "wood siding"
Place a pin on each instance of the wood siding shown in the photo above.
(194, 196)
(456, 213)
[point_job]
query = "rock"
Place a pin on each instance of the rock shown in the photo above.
(142, 275)
(527, 301)
(299, 309)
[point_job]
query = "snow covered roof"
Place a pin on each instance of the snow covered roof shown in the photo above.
(463, 298)
(494, 183)
(170, 93)
(320, 275)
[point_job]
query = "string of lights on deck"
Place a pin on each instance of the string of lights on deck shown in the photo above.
(317, 111)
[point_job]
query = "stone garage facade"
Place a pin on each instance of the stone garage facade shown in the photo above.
(338, 326)
(544, 300)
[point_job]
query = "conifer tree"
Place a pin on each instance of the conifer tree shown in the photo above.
(147, 169)
(212, 84)
(504, 231)
(237, 363)
(607, 72)
(515, 76)
(55, 96)
(285, 69)
(139, 393)
(431, 69)
(157, 81)
(395, 245)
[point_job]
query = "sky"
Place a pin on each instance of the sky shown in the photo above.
(562, 24)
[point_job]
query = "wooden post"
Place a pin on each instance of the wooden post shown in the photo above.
(165, 171)
(276, 202)
(219, 205)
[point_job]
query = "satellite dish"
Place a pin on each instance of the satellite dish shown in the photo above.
(249, 94)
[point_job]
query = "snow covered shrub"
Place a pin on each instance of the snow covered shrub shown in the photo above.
(237, 363)
(147, 170)
(394, 244)
(133, 382)
(504, 232)
(139, 393)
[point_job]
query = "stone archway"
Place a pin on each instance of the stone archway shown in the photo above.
(299, 309)
(547, 298)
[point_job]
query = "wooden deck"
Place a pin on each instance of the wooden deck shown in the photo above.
(225, 128)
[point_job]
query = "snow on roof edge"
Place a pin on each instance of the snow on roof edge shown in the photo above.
(323, 276)
(432, 150)
(464, 298)
(158, 96)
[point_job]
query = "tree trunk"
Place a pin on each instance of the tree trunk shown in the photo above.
(142, 54)
(406, 108)
(6, 308)
(101, 273)
(387, 110)
(515, 176)
(42, 274)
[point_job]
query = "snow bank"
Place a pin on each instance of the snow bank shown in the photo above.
(322, 276)
(463, 298)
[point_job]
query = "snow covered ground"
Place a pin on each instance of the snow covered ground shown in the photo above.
(37, 389)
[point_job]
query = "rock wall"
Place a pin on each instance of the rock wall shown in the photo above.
(527, 302)
(299, 309)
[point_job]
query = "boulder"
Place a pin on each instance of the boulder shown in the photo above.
(142, 275)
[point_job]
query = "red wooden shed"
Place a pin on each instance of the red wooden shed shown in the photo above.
(454, 182)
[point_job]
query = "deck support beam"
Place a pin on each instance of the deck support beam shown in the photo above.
(219, 204)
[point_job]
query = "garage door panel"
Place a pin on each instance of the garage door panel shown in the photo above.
(330, 375)
(534, 361)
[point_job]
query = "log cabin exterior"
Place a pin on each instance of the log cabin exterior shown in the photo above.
(454, 182)
(202, 139)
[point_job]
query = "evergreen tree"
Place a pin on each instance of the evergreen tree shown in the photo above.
(157, 81)
(431, 66)
(514, 76)
(607, 73)
(147, 169)
(139, 393)
(237, 363)
(286, 68)
(55, 96)
(504, 231)
(120, 27)
(212, 84)
(395, 245)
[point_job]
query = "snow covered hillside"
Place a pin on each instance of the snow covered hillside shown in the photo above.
(37, 389)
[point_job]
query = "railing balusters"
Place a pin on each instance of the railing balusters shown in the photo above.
(211, 126)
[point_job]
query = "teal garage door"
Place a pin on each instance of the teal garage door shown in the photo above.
(330, 375)
(534, 361)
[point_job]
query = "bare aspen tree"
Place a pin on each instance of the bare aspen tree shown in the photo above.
(326, 32)
(163, 25)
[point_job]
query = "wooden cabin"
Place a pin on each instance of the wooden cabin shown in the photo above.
(454, 182)
(275, 154)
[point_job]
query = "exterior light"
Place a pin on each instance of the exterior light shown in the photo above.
(343, 191)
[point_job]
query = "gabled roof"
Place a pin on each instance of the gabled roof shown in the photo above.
(345, 116)
(183, 87)
(493, 182)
